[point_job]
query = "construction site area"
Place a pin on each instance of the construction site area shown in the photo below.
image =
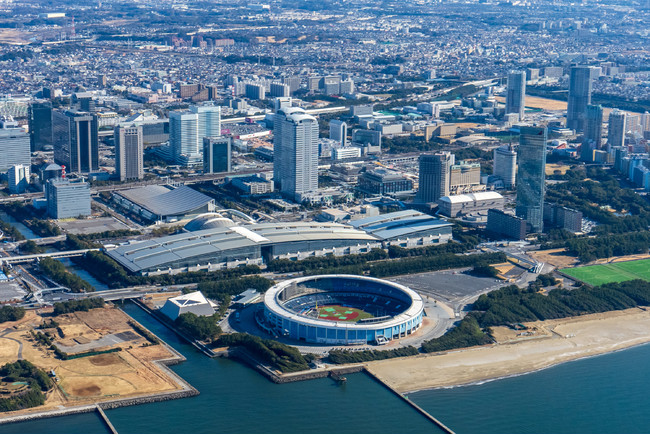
(92, 356)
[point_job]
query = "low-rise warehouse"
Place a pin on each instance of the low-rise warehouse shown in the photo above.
(456, 205)
(164, 203)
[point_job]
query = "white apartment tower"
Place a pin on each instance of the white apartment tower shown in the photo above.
(129, 152)
(209, 121)
(505, 165)
(295, 160)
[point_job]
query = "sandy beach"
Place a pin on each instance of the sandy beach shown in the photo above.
(567, 339)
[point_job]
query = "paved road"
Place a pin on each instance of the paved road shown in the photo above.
(20, 343)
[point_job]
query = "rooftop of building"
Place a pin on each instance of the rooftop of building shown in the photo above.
(399, 224)
(471, 197)
(166, 200)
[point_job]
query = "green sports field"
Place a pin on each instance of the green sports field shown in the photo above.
(339, 313)
(613, 272)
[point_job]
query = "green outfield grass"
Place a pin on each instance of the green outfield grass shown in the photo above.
(340, 313)
(614, 272)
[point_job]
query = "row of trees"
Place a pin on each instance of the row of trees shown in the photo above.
(426, 264)
(284, 358)
(77, 305)
(314, 264)
(466, 333)
(592, 248)
(342, 356)
(57, 271)
(202, 328)
(9, 313)
(110, 272)
(515, 305)
(10, 231)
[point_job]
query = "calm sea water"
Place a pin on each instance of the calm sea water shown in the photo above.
(604, 394)
(236, 399)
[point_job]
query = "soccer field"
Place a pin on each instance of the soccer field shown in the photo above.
(613, 272)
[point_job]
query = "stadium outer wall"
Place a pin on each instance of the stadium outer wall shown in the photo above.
(289, 323)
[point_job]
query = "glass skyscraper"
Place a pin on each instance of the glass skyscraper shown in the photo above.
(516, 94)
(216, 154)
(531, 175)
(435, 174)
(580, 84)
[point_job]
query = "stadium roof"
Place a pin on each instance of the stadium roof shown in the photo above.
(399, 224)
(471, 197)
(161, 252)
(166, 200)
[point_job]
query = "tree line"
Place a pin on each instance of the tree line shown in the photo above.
(9, 313)
(342, 356)
(57, 271)
(74, 305)
(273, 353)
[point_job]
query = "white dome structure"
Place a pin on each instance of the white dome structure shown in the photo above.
(208, 221)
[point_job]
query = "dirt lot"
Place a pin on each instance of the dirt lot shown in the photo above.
(551, 169)
(540, 103)
(624, 258)
(14, 37)
(555, 257)
(503, 334)
(129, 372)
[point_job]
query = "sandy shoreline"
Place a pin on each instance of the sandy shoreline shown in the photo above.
(570, 339)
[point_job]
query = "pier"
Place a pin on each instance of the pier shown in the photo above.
(411, 403)
(105, 419)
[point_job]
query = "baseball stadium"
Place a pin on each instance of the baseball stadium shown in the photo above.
(342, 309)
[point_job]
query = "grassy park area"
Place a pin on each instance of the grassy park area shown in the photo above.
(613, 272)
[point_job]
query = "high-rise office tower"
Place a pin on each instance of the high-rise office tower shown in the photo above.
(40, 125)
(338, 131)
(209, 121)
(18, 177)
(435, 174)
(76, 143)
(295, 159)
(531, 175)
(217, 154)
(616, 131)
(129, 152)
(505, 165)
(593, 132)
(516, 95)
(184, 136)
(580, 84)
